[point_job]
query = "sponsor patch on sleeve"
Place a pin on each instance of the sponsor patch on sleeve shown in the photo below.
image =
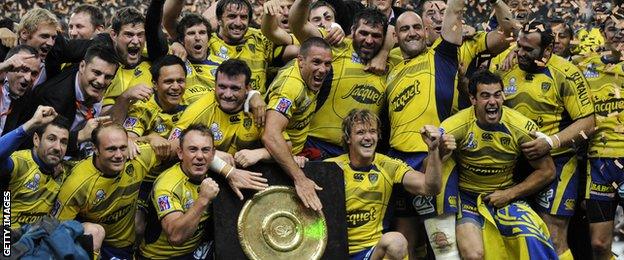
(175, 134)
(130, 122)
(283, 105)
(163, 203)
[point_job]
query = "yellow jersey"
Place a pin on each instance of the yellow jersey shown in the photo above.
(126, 78)
(200, 79)
(173, 192)
(351, 88)
(256, 50)
(289, 95)
(606, 83)
(421, 91)
(589, 41)
(487, 155)
(148, 117)
(32, 192)
(89, 196)
(231, 132)
(367, 193)
(553, 98)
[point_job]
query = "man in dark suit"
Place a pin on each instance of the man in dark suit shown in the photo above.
(76, 94)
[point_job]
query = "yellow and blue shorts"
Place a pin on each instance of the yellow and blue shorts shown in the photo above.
(511, 232)
(559, 197)
(408, 205)
(601, 174)
(365, 254)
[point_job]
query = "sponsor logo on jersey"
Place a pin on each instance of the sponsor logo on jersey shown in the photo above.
(423, 204)
(175, 134)
(358, 176)
(130, 122)
(399, 102)
(511, 88)
(223, 53)
(544, 198)
(216, 132)
(487, 136)
(99, 196)
(505, 140)
(581, 87)
(606, 107)
(356, 58)
(471, 143)
(360, 217)
(34, 183)
(234, 119)
(117, 215)
(283, 105)
(130, 169)
(366, 94)
(163, 203)
(137, 72)
(591, 72)
(188, 204)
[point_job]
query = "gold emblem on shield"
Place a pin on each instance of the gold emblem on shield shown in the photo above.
(275, 224)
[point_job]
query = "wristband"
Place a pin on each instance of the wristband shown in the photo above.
(249, 95)
(558, 140)
(541, 135)
(217, 165)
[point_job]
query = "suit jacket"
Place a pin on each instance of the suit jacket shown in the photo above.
(60, 93)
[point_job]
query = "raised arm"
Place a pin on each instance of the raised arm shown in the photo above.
(452, 25)
(154, 37)
(496, 41)
(298, 21)
(270, 27)
(430, 182)
(172, 10)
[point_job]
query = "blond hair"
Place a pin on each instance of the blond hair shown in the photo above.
(33, 18)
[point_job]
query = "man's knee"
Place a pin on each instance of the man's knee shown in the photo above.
(601, 244)
(472, 254)
(394, 244)
(97, 232)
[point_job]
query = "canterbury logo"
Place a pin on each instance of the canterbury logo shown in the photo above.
(365, 94)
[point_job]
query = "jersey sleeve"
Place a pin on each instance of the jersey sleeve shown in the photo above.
(284, 99)
(70, 199)
(456, 125)
(401, 169)
(472, 47)
(524, 126)
(165, 201)
(576, 95)
(147, 157)
(136, 120)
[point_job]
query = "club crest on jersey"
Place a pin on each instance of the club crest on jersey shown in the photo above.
(471, 143)
(130, 169)
(188, 204)
(216, 132)
(99, 196)
(163, 203)
(34, 183)
(356, 58)
(213, 72)
(247, 123)
(223, 53)
(283, 105)
(130, 122)
(545, 86)
(511, 88)
(372, 177)
(160, 127)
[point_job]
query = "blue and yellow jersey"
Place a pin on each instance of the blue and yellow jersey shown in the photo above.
(200, 79)
(127, 78)
(589, 41)
(32, 192)
(173, 192)
(89, 196)
(367, 193)
(486, 156)
(289, 95)
(256, 50)
(553, 98)
(148, 117)
(498, 60)
(421, 91)
(469, 48)
(231, 132)
(606, 83)
(351, 88)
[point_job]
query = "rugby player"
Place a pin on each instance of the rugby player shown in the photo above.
(292, 103)
(34, 176)
(490, 138)
(554, 94)
(180, 202)
(369, 178)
